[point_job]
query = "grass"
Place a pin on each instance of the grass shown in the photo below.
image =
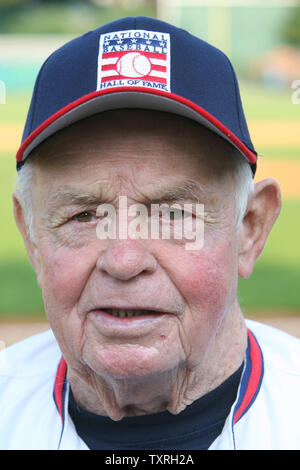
(262, 104)
(280, 153)
(282, 247)
(74, 17)
(20, 294)
(15, 109)
(271, 287)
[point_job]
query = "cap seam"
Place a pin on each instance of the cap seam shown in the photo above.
(236, 100)
(36, 92)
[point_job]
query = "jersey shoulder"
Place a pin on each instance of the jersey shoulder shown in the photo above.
(29, 418)
(37, 355)
(280, 349)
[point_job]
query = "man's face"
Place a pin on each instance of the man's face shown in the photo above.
(141, 155)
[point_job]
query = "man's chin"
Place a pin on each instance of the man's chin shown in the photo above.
(125, 361)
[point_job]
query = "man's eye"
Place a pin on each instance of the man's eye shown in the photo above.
(177, 214)
(174, 214)
(83, 217)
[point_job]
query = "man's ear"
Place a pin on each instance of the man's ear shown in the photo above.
(30, 245)
(262, 211)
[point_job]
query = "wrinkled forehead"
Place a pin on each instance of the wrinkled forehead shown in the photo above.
(130, 133)
(149, 157)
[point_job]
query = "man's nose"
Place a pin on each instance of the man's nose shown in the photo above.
(126, 259)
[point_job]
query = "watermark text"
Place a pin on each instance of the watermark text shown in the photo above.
(183, 222)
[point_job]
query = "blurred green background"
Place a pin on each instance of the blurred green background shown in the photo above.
(263, 43)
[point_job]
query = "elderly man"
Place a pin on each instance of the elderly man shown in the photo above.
(148, 347)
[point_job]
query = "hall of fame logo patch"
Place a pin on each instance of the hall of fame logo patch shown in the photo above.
(134, 58)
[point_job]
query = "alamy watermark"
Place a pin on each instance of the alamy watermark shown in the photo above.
(2, 92)
(296, 94)
(177, 222)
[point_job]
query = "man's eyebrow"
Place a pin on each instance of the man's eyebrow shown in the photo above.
(190, 190)
(68, 196)
(187, 190)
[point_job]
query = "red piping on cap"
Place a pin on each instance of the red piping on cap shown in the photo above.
(251, 156)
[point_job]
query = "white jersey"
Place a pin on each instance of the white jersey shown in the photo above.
(266, 414)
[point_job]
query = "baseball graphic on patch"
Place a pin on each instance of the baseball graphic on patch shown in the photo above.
(134, 58)
(133, 65)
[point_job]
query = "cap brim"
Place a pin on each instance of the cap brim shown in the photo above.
(131, 97)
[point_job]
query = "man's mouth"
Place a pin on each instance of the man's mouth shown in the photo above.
(127, 313)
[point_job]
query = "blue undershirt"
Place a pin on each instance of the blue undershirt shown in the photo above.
(196, 427)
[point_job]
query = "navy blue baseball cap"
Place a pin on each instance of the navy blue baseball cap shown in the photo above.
(140, 63)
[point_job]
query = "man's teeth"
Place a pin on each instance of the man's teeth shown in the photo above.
(125, 313)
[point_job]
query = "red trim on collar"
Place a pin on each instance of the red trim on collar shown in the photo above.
(255, 377)
(59, 385)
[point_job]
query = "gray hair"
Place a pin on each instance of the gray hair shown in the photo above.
(241, 172)
(244, 187)
(23, 190)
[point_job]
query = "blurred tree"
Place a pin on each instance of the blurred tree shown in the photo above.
(9, 3)
(66, 16)
(291, 29)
